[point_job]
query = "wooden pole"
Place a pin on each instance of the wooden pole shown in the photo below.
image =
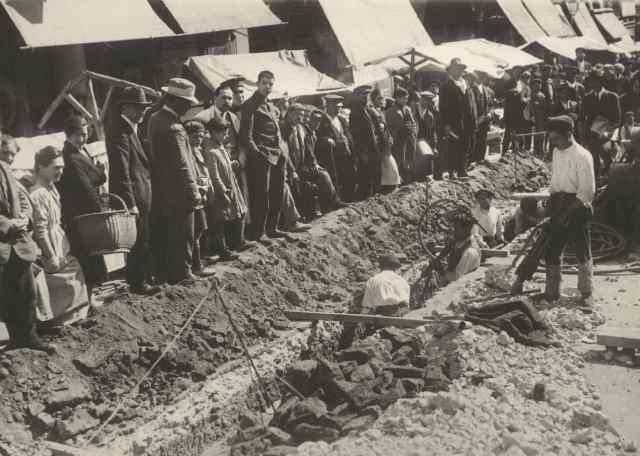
(77, 105)
(106, 104)
(93, 105)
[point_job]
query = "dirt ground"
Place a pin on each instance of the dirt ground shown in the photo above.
(100, 359)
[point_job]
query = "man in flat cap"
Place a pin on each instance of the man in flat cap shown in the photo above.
(368, 142)
(570, 209)
(457, 119)
(174, 185)
(403, 129)
(338, 130)
(601, 114)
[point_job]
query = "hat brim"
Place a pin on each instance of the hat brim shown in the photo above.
(194, 101)
(462, 66)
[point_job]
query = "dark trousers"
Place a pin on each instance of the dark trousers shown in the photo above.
(455, 152)
(267, 194)
(511, 140)
(347, 179)
(139, 259)
(369, 177)
(93, 266)
(480, 142)
(18, 299)
(173, 239)
(578, 232)
(228, 235)
(200, 229)
(289, 214)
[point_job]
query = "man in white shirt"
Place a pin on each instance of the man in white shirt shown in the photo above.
(572, 191)
(489, 228)
(465, 256)
(386, 292)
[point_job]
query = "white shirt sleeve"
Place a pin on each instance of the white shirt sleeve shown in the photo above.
(469, 262)
(586, 181)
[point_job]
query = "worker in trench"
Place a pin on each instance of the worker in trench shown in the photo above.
(465, 251)
(570, 209)
(489, 230)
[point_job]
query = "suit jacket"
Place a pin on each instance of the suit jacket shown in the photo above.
(484, 98)
(608, 107)
(173, 176)
(428, 126)
(568, 108)
(11, 208)
(129, 166)
(79, 186)
(260, 129)
(365, 131)
(514, 110)
(455, 109)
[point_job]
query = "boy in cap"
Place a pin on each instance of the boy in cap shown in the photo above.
(489, 228)
(572, 191)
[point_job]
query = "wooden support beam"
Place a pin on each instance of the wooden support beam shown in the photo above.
(56, 102)
(110, 80)
(378, 320)
(76, 104)
(106, 104)
(95, 110)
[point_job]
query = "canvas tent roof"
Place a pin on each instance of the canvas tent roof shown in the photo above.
(613, 26)
(521, 20)
(201, 16)
(586, 24)
(294, 74)
(566, 47)
(369, 30)
(63, 22)
(550, 19)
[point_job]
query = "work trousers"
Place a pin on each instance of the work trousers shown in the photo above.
(369, 177)
(267, 194)
(289, 215)
(139, 259)
(228, 235)
(578, 232)
(200, 228)
(455, 153)
(18, 297)
(480, 142)
(347, 177)
(173, 239)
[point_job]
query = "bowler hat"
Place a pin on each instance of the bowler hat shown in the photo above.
(181, 88)
(332, 97)
(363, 89)
(560, 124)
(134, 96)
(428, 95)
(456, 62)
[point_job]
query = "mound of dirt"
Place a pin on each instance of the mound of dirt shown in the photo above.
(101, 358)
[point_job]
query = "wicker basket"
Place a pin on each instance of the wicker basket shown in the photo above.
(111, 231)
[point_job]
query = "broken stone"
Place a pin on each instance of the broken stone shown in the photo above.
(4, 373)
(74, 394)
(399, 337)
(278, 436)
(588, 417)
(420, 361)
(280, 450)
(353, 354)
(358, 424)
(248, 434)
(305, 431)
(392, 394)
(347, 367)
(292, 297)
(35, 409)
(403, 355)
(306, 411)
(328, 370)
(372, 410)
(583, 437)
(435, 380)
(44, 422)
(405, 371)
(363, 395)
(504, 339)
(301, 375)
(248, 420)
(78, 423)
(361, 374)
(412, 386)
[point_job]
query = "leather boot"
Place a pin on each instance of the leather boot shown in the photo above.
(552, 285)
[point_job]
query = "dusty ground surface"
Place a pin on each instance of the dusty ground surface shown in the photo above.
(64, 396)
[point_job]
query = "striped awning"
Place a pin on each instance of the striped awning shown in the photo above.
(521, 20)
(586, 25)
(550, 18)
(613, 27)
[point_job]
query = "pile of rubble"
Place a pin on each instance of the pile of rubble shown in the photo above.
(333, 398)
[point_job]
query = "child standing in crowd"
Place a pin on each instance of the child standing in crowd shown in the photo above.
(229, 208)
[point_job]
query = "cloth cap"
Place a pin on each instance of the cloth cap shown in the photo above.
(560, 124)
(456, 62)
(181, 88)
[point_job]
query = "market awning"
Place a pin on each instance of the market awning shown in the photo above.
(503, 55)
(521, 20)
(627, 8)
(369, 30)
(550, 19)
(613, 27)
(61, 22)
(586, 25)
(294, 74)
(566, 47)
(202, 16)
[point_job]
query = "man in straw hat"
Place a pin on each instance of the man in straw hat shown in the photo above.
(130, 179)
(174, 185)
(456, 118)
(572, 191)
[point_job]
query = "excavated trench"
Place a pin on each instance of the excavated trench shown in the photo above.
(198, 395)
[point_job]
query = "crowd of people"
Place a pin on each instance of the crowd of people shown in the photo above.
(207, 184)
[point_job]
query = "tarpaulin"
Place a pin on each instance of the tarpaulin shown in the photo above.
(552, 21)
(566, 47)
(613, 27)
(521, 20)
(62, 22)
(586, 25)
(201, 16)
(627, 8)
(294, 74)
(369, 30)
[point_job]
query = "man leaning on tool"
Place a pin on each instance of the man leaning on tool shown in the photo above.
(572, 190)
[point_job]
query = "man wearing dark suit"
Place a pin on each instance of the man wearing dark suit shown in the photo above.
(174, 187)
(404, 131)
(599, 104)
(79, 189)
(484, 98)
(18, 251)
(456, 117)
(130, 179)
(260, 136)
